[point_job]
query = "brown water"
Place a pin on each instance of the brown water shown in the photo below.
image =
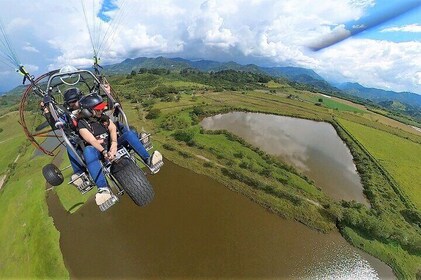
(197, 228)
(312, 147)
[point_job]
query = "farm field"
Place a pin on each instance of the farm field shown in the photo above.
(399, 156)
(173, 118)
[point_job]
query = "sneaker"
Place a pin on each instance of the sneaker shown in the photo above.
(76, 180)
(102, 196)
(154, 159)
(105, 199)
(154, 162)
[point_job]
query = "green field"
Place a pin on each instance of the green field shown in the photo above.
(29, 242)
(389, 230)
(399, 156)
(333, 104)
(11, 139)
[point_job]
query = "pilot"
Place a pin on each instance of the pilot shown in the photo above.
(100, 135)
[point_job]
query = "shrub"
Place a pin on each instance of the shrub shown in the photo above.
(168, 147)
(173, 122)
(266, 173)
(153, 114)
(197, 110)
(208, 164)
(183, 136)
(184, 154)
(148, 102)
(239, 155)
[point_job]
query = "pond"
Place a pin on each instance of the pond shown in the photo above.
(314, 148)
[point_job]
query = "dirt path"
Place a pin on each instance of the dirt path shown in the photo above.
(7, 139)
(3, 178)
(208, 160)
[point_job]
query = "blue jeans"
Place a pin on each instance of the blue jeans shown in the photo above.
(92, 159)
(129, 138)
(93, 156)
(76, 166)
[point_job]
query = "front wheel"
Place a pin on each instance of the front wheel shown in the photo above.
(52, 174)
(133, 180)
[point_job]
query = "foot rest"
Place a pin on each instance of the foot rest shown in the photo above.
(145, 139)
(108, 203)
(155, 168)
(82, 183)
(85, 188)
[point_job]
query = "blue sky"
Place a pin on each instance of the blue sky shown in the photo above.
(48, 34)
(380, 32)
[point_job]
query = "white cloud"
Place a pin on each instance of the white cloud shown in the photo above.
(417, 78)
(29, 48)
(269, 32)
(416, 28)
(31, 68)
(372, 63)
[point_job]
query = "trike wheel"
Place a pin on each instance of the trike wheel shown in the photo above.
(52, 174)
(133, 180)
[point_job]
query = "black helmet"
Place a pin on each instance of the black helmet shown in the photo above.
(72, 94)
(91, 102)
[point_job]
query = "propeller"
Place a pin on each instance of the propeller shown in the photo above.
(363, 24)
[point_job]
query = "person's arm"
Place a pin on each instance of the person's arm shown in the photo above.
(107, 88)
(90, 138)
(113, 137)
(46, 113)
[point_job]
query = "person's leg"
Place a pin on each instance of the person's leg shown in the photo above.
(132, 139)
(76, 166)
(92, 158)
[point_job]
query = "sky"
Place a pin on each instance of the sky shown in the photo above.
(47, 34)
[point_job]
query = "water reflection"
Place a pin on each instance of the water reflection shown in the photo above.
(197, 228)
(312, 147)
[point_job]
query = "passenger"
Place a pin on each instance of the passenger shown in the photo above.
(100, 135)
(71, 102)
(68, 119)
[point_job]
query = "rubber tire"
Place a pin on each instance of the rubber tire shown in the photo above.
(133, 180)
(52, 174)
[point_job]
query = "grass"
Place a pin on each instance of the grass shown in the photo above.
(237, 165)
(29, 242)
(397, 155)
(11, 139)
(386, 205)
(69, 195)
(333, 104)
(405, 266)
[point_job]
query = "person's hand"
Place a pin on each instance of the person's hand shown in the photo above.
(105, 155)
(107, 88)
(113, 151)
(43, 107)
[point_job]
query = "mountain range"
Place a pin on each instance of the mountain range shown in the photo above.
(293, 74)
(402, 102)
